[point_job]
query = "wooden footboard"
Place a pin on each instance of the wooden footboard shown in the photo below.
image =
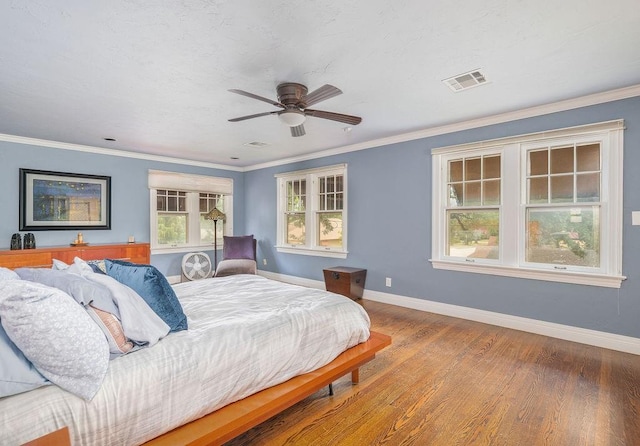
(236, 418)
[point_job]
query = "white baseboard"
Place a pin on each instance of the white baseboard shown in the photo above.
(602, 339)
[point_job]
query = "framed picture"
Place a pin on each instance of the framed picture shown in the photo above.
(64, 201)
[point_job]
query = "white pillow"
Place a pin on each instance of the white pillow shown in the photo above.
(56, 334)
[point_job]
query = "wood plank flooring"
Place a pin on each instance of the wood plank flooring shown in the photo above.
(447, 381)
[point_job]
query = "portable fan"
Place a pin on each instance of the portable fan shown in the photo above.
(196, 265)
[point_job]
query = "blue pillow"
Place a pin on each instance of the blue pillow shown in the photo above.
(17, 374)
(153, 287)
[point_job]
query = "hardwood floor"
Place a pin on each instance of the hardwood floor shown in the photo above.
(447, 381)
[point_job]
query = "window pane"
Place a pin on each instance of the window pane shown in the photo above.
(491, 167)
(295, 229)
(340, 201)
(331, 202)
(330, 229)
(322, 187)
(296, 199)
(330, 184)
(172, 229)
(588, 158)
(588, 187)
(491, 192)
(182, 204)
(455, 170)
(472, 194)
(473, 234)
(562, 160)
(472, 169)
(172, 204)
(206, 230)
(538, 162)
(456, 195)
(538, 190)
(339, 183)
(562, 189)
(161, 203)
(567, 236)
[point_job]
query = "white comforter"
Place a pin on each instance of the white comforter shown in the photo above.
(246, 333)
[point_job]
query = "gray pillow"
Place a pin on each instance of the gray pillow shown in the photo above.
(56, 335)
(84, 291)
(17, 374)
(7, 274)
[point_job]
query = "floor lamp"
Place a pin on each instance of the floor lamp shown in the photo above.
(215, 215)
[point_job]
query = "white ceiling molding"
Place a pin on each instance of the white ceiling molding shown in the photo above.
(569, 104)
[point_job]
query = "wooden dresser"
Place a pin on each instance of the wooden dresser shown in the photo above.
(43, 257)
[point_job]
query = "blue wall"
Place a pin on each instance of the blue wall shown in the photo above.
(397, 179)
(129, 192)
(394, 178)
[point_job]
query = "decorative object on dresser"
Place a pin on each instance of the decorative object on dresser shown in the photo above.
(345, 280)
(16, 241)
(29, 241)
(63, 201)
(215, 214)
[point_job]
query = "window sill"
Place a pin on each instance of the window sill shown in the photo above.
(312, 252)
(184, 249)
(528, 273)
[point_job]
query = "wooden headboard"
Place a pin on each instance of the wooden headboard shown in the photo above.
(43, 257)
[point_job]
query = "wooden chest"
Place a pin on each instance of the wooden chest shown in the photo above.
(345, 280)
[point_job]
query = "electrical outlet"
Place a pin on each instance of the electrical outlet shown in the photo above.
(264, 262)
(388, 281)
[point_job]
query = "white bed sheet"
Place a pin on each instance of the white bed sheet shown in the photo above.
(246, 333)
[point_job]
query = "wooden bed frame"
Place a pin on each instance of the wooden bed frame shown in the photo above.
(232, 420)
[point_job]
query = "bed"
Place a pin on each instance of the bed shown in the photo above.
(254, 347)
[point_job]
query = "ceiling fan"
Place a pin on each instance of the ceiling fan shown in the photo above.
(293, 99)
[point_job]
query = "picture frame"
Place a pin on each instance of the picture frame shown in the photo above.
(64, 201)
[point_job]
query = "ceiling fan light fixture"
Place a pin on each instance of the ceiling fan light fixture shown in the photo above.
(292, 118)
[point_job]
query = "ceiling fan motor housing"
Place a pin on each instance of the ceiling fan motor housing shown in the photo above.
(292, 94)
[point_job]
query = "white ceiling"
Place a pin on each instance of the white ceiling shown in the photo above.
(154, 74)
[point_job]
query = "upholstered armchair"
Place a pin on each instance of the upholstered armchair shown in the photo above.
(238, 256)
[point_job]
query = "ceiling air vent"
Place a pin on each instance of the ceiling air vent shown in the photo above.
(466, 80)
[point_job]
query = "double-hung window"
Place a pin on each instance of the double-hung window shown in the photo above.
(312, 211)
(179, 203)
(542, 206)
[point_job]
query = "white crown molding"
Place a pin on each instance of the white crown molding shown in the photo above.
(568, 104)
(596, 338)
(113, 152)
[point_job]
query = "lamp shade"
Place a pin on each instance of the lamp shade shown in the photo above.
(215, 214)
(292, 118)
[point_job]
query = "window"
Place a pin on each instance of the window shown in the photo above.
(312, 211)
(542, 206)
(179, 203)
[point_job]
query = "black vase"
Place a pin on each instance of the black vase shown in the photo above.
(29, 241)
(16, 241)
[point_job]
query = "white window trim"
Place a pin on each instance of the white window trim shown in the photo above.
(311, 248)
(513, 151)
(192, 184)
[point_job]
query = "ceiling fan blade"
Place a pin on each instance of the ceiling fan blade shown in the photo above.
(298, 130)
(321, 94)
(243, 118)
(347, 119)
(255, 96)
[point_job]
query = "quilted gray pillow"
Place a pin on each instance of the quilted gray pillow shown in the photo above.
(56, 335)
